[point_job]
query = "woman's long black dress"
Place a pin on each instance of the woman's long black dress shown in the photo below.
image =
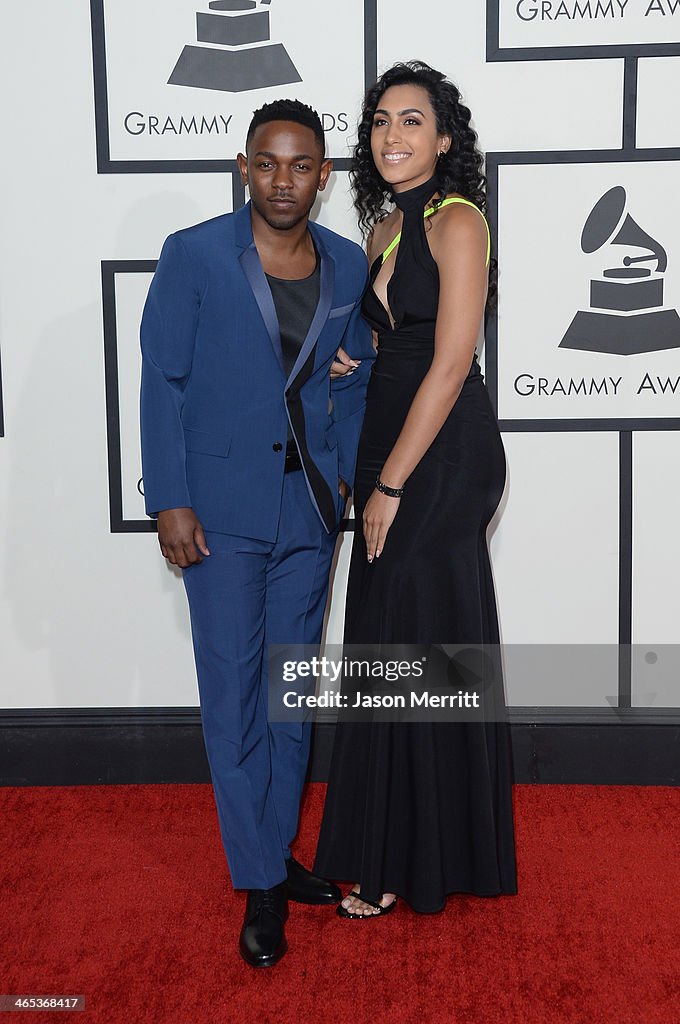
(422, 809)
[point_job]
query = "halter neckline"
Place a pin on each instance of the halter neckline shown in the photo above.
(416, 197)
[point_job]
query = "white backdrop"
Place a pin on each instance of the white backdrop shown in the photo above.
(91, 617)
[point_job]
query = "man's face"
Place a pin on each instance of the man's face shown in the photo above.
(284, 170)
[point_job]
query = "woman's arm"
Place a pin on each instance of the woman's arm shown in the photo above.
(459, 249)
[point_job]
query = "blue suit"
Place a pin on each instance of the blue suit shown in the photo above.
(215, 409)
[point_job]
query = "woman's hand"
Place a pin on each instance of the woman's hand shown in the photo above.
(342, 365)
(379, 515)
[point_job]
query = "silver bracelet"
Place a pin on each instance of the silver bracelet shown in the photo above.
(392, 492)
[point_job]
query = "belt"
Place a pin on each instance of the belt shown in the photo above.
(293, 461)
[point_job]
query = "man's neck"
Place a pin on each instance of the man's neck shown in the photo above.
(286, 253)
(286, 241)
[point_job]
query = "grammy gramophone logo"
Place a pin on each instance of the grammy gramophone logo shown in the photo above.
(626, 315)
(234, 51)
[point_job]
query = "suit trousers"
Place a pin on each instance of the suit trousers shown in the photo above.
(245, 595)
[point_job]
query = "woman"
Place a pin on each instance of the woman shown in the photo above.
(422, 809)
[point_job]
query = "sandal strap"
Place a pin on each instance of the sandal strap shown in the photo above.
(364, 899)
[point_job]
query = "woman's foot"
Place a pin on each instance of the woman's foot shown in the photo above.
(354, 905)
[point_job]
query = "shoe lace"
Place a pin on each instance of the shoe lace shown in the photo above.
(268, 899)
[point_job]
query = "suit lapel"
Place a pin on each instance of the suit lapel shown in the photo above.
(252, 268)
(326, 287)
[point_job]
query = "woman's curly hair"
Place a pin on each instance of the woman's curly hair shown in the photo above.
(458, 170)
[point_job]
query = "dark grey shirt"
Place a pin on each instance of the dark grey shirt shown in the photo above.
(295, 303)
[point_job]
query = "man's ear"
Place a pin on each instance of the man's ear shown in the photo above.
(326, 168)
(242, 161)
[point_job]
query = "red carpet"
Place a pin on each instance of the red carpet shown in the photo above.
(120, 893)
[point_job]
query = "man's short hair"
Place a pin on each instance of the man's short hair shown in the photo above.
(288, 110)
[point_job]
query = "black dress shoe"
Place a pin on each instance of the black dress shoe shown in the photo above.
(304, 887)
(263, 941)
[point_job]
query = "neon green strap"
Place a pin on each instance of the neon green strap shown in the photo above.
(428, 213)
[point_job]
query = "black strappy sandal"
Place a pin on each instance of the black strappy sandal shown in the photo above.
(342, 912)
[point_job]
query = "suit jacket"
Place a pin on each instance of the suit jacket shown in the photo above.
(215, 401)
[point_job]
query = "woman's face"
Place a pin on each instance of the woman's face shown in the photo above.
(405, 142)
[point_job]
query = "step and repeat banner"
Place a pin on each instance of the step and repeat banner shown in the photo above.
(125, 121)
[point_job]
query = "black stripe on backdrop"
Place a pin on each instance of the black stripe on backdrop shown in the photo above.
(117, 746)
(2, 410)
(238, 192)
(370, 42)
(630, 83)
(109, 270)
(625, 566)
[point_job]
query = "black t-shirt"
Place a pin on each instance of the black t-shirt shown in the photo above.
(295, 302)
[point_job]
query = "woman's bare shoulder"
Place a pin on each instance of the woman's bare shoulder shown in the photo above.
(458, 223)
(460, 211)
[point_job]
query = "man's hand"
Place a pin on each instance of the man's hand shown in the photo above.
(343, 488)
(342, 365)
(181, 537)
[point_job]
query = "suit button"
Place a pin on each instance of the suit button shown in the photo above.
(277, 446)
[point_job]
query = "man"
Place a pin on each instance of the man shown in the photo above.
(248, 449)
